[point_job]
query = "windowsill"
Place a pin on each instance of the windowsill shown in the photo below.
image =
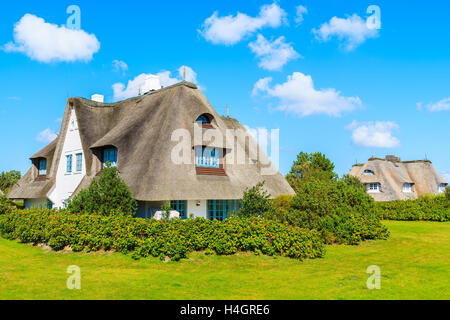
(208, 171)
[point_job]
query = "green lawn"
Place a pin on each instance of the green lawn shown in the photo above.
(414, 262)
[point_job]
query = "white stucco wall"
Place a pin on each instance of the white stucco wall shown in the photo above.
(199, 211)
(66, 183)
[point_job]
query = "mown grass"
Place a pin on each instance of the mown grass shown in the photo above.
(414, 262)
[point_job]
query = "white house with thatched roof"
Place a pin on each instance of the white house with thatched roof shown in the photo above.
(168, 144)
(392, 179)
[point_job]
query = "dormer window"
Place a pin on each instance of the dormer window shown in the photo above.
(369, 172)
(110, 155)
(207, 157)
(407, 188)
(205, 120)
(442, 188)
(42, 167)
(373, 187)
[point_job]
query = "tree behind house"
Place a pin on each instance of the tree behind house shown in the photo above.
(8, 179)
(310, 165)
(255, 202)
(106, 195)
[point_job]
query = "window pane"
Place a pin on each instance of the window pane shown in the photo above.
(180, 206)
(69, 163)
(207, 157)
(79, 162)
(42, 167)
(110, 155)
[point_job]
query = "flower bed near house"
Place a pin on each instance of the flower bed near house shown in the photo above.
(174, 239)
(430, 208)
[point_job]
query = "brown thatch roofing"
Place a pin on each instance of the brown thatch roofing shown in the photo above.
(141, 129)
(28, 187)
(393, 174)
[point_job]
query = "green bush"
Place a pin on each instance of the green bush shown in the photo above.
(175, 238)
(430, 208)
(255, 202)
(106, 195)
(340, 210)
(5, 204)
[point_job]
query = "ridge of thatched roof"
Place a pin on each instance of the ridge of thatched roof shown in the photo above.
(141, 129)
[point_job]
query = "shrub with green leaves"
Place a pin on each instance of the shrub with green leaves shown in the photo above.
(174, 238)
(341, 211)
(255, 202)
(430, 208)
(107, 195)
(5, 204)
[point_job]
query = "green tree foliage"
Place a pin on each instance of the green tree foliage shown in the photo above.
(107, 195)
(8, 179)
(307, 165)
(255, 202)
(353, 181)
(447, 192)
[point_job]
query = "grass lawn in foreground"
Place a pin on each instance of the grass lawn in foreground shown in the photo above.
(414, 262)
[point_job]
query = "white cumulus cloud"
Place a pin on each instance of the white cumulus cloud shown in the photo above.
(376, 134)
(46, 136)
(231, 29)
(120, 66)
(298, 95)
(46, 42)
(273, 54)
(122, 91)
(353, 31)
(442, 105)
(301, 11)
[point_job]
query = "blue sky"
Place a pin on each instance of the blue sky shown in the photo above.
(329, 84)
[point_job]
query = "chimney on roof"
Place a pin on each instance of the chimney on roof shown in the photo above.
(98, 98)
(392, 158)
(152, 83)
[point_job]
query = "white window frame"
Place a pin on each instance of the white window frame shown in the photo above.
(441, 188)
(373, 187)
(407, 187)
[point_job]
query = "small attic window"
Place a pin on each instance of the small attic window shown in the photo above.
(42, 167)
(373, 187)
(110, 156)
(407, 187)
(205, 120)
(442, 187)
(369, 172)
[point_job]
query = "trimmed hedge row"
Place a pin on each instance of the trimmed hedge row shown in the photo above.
(174, 239)
(425, 208)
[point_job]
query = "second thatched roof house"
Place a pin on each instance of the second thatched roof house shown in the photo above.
(168, 144)
(392, 179)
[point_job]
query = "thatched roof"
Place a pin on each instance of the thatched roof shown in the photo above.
(141, 129)
(392, 173)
